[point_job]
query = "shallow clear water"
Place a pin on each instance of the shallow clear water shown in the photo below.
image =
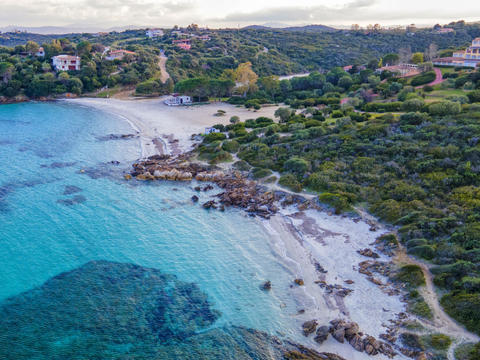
(62, 204)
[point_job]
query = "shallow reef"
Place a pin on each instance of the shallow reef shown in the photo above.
(107, 310)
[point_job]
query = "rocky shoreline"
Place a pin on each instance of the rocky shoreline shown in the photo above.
(237, 190)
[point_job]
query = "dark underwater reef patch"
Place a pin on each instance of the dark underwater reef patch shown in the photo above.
(117, 137)
(107, 310)
(58, 165)
(77, 199)
(71, 189)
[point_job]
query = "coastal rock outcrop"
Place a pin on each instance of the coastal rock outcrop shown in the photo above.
(237, 190)
(309, 327)
(343, 330)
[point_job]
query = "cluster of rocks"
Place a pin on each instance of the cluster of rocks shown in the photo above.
(369, 267)
(344, 331)
(334, 289)
(368, 253)
(237, 190)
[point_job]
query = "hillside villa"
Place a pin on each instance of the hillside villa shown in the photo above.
(176, 100)
(466, 58)
(404, 70)
(118, 54)
(66, 62)
(153, 33)
(184, 44)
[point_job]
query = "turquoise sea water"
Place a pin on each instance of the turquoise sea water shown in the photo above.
(63, 204)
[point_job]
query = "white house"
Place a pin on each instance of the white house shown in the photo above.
(210, 130)
(153, 33)
(40, 52)
(176, 100)
(66, 62)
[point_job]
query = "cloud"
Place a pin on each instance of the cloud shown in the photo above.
(354, 11)
(304, 14)
(108, 12)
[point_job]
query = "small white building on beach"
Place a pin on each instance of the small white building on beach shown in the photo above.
(210, 130)
(176, 100)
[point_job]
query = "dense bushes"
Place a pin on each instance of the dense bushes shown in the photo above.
(445, 108)
(383, 107)
(422, 79)
(465, 308)
(290, 181)
(412, 275)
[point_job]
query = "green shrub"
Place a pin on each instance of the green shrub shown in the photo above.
(466, 352)
(337, 114)
(413, 105)
(296, 165)
(338, 201)
(290, 182)
(388, 239)
(414, 118)
(474, 96)
(259, 173)
(383, 107)
(214, 137)
(424, 251)
(425, 78)
(420, 308)
(437, 341)
(412, 341)
(416, 242)
(465, 308)
(231, 146)
(444, 108)
(411, 275)
(241, 165)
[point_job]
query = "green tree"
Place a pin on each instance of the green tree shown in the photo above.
(417, 58)
(32, 47)
(284, 114)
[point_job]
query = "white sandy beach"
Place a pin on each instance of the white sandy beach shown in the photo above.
(304, 238)
(160, 125)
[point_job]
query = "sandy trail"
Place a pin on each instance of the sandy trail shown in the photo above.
(162, 62)
(442, 322)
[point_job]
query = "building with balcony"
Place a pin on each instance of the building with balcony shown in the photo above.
(66, 62)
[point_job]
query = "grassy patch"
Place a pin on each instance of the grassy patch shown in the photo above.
(411, 275)
(259, 173)
(418, 306)
(439, 342)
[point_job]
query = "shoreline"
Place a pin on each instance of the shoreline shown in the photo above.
(167, 130)
(301, 239)
(304, 239)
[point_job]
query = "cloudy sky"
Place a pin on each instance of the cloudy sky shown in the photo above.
(220, 13)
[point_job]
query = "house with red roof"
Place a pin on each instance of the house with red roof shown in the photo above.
(119, 54)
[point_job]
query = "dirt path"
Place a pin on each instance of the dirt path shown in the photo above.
(442, 322)
(162, 62)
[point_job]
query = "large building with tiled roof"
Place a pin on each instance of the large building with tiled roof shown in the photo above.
(468, 58)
